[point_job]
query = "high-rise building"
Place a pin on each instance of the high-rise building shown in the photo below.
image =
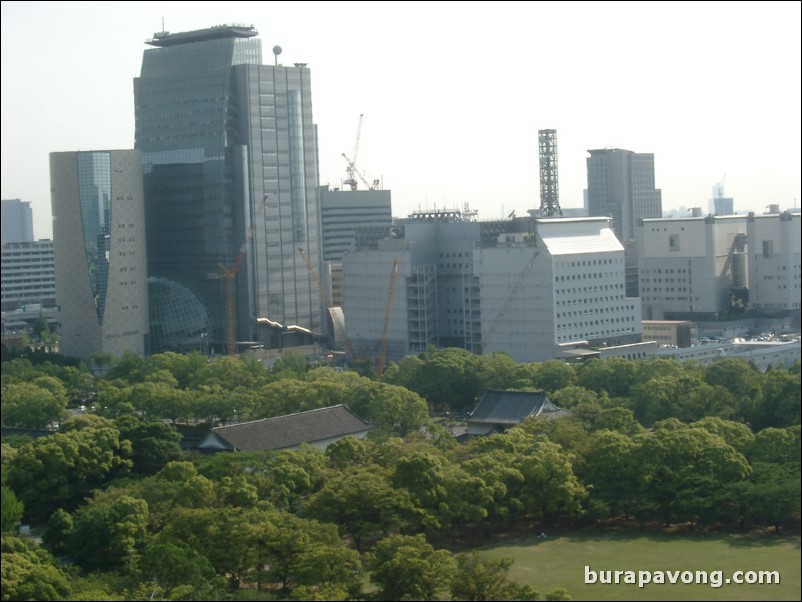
(17, 221)
(100, 251)
(621, 186)
(229, 152)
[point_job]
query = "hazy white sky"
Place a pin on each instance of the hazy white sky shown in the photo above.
(453, 93)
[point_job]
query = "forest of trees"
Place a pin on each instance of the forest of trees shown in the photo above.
(647, 445)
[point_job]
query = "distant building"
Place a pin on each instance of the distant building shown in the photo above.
(318, 428)
(28, 275)
(530, 288)
(17, 221)
(229, 150)
(621, 185)
(716, 266)
(675, 333)
(100, 251)
(723, 206)
(774, 263)
(342, 211)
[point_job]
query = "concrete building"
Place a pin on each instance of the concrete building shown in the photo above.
(621, 185)
(692, 267)
(709, 267)
(229, 151)
(670, 333)
(530, 287)
(100, 251)
(774, 263)
(17, 221)
(28, 275)
(342, 211)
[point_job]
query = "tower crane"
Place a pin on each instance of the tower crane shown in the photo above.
(229, 275)
(508, 301)
(387, 316)
(351, 169)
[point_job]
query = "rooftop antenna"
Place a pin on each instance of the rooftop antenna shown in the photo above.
(276, 52)
(162, 24)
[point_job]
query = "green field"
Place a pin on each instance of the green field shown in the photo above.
(560, 560)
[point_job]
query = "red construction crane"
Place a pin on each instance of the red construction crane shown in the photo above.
(380, 360)
(229, 275)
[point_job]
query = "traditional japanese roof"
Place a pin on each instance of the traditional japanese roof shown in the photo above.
(512, 407)
(287, 431)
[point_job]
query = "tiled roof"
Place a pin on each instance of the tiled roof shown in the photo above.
(290, 430)
(512, 407)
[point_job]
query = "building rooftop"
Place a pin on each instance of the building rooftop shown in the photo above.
(217, 32)
(291, 430)
(512, 407)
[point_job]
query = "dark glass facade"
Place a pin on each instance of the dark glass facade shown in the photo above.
(229, 154)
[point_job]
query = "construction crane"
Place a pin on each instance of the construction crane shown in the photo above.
(322, 290)
(351, 170)
(229, 276)
(508, 301)
(387, 316)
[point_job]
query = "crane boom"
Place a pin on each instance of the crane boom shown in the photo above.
(229, 275)
(387, 316)
(508, 301)
(322, 290)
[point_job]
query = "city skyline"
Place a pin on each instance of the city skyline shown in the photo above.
(452, 101)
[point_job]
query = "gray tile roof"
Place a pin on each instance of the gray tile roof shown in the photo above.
(512, 407)
(288, 431)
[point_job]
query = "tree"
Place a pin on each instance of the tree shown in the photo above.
(393, 408)
(408, 568)
(361, 502)
(154, 444)
(33, 405)
(107, 536)
(173, 565)
(62, 469)
(477, 579)
(11, 509)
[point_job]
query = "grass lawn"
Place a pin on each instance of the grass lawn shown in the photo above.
(560, 560)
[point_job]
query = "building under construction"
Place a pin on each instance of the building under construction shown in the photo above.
(534, 288)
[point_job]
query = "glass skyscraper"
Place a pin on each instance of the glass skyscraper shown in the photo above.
(229, 154)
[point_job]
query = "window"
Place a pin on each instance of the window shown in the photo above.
(768, 248)
(673, 242)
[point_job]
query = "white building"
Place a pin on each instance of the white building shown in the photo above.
(774, 262)
(530, 288)
(690, 265)
(706, 267)
(28, 275)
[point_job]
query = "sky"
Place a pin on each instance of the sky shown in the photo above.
(453, 93)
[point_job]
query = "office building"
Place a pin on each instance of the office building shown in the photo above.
(28, 275)
(100, 251)
(17, 221)
(536, 289)
(342, 211)
(621, 186)
(229, 153)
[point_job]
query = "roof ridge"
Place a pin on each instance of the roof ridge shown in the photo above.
(288, 416)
